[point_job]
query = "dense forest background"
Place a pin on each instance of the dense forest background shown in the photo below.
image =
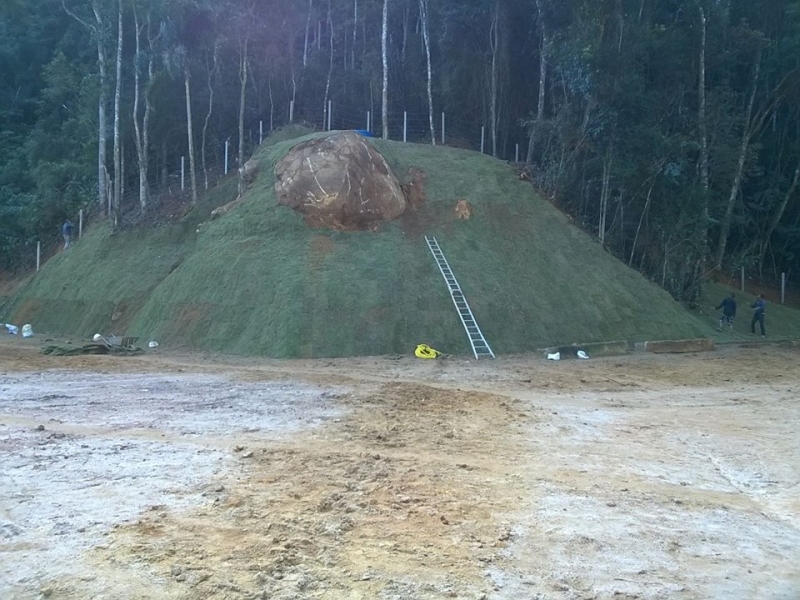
(669, 129)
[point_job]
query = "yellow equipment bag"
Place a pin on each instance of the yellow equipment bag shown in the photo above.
(425, 351)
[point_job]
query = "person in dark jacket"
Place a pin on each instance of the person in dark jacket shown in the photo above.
(758, 307)
(728, 306)
(66, 231)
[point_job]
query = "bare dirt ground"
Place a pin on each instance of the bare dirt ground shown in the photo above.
(181, 476)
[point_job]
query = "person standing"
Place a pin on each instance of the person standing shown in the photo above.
(759, 306)
(66, 231)
(728, 306)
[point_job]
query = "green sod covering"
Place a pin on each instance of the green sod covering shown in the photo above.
(259, 281)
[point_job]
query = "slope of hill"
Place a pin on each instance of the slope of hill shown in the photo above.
(260, 281)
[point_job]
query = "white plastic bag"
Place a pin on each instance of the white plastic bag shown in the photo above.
(582, 354)
(153, 344)
(556, 356)
(12, 329)
(27, 330)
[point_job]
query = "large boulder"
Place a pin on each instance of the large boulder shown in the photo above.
(339, 182)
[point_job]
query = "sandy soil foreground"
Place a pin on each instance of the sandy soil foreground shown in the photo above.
(181, 476)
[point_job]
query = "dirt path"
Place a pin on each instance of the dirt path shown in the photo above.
(195, 477)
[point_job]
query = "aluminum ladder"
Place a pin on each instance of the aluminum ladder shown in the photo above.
(480, 347)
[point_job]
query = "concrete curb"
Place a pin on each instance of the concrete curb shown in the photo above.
(677, 346)
(618, 348)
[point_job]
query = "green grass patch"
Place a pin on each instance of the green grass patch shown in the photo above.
(259, 281)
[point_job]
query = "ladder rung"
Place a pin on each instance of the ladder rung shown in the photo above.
(479, 345)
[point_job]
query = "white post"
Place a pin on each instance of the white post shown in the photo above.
(405, 125)
(783, 287)
(330, 108)
(260, 132)
(291, 111)
(742, 279)
(443, 128)
(483, 137)
(183, 173)
(516, 154)
(369, 124)
(226, 156)
(38, 255)
(80, 224)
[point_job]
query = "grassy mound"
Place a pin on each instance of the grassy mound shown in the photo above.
(259, 281)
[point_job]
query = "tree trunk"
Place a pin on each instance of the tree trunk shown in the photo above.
(190, 133)
(423, 12)
(701, 113)
(99, 33)
(242, 97)
(385, 60)
(405, 34)
(325, 116)
(141, 156)
(641, 220)
(122, 171)
(725, 226)
(308, 25)
(493, 43)
(703, 128)
(776, 218)
(355, 32)
(102, 172)
(212, 72)
(534, 132)
(148, 109)
(164, 162)
(242, 102)
(117, 96)
(271, 104)
(604, 194)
